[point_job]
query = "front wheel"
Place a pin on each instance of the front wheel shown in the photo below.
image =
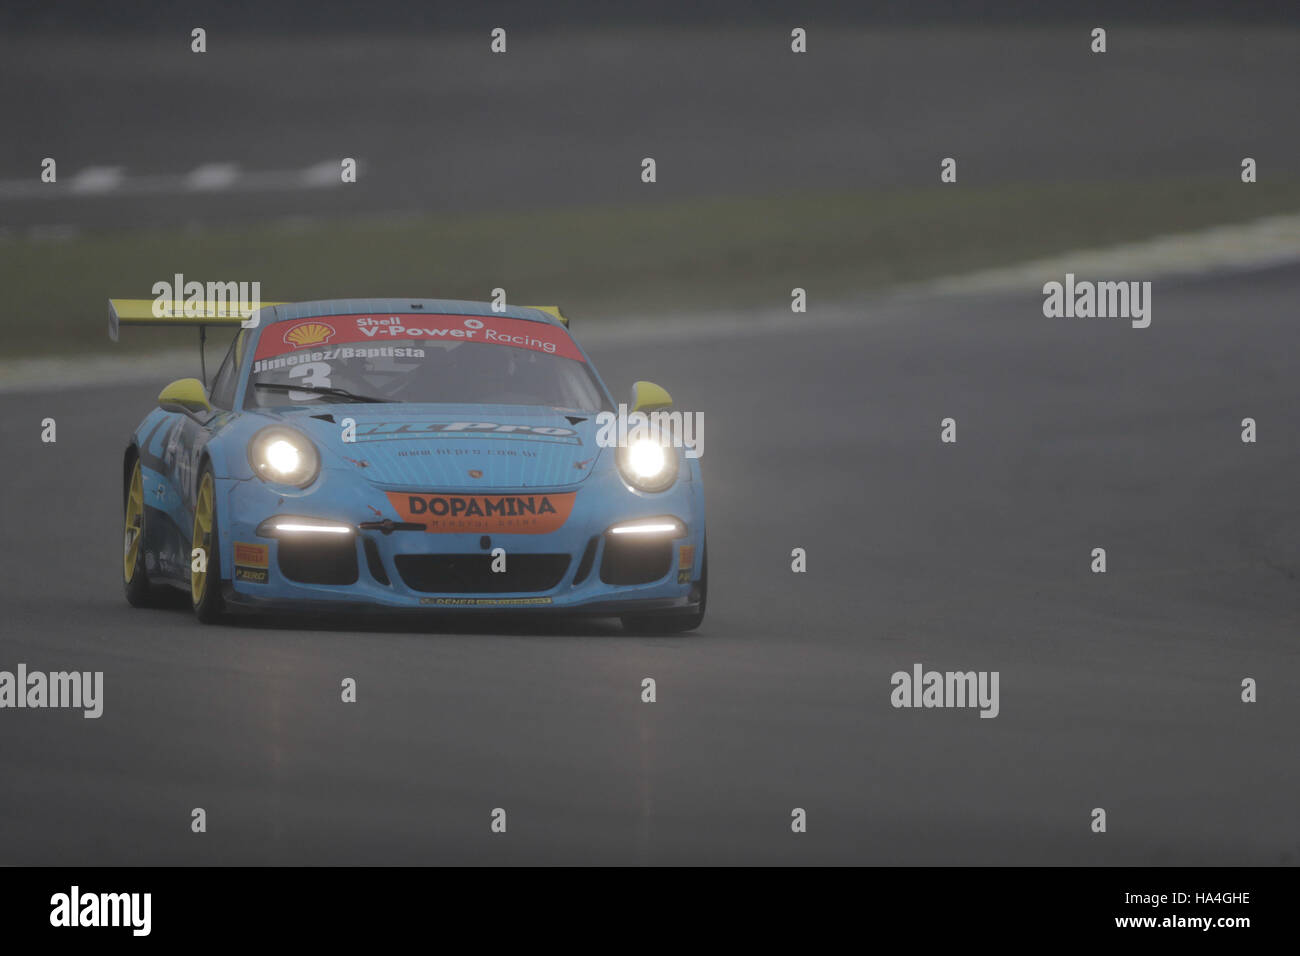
(140, 592)
(205, 553)
(673, 622)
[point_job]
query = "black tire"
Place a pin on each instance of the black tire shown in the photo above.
(139, 590)
(209, 606)
(673, 622)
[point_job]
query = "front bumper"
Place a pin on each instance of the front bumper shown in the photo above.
(404, 569)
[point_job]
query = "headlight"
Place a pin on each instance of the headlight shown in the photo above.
(299, 525)
(647, 464)
(651, 527)
(284, 455)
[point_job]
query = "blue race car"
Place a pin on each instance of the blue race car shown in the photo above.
(390, 454)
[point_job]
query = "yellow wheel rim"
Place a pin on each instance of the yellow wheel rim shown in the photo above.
(202, 538)
(134, 523)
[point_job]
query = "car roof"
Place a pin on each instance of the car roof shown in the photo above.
(325, 307)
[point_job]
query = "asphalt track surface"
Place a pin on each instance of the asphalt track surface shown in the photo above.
(440, 125)
(1118, 691)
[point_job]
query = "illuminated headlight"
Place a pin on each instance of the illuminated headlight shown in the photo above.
(651, 527)
(284, 455)
(647, 464)
(298, 525)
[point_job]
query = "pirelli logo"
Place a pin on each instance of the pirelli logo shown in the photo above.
(252, 555)
(251, 562)
(458, 514)
(685, 562)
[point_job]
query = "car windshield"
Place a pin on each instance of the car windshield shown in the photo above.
(439, 359)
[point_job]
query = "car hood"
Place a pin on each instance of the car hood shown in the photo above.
(456, 446)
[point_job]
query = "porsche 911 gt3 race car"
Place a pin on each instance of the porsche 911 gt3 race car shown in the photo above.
(390, 454)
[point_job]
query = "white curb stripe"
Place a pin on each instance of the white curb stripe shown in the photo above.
(112, 180)
(212, 176)
(1264, 242)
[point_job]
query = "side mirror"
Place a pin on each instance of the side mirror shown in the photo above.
(647, 396)
(184, 395)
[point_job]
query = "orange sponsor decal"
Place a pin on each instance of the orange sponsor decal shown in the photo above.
(250, 555)
(514, 514)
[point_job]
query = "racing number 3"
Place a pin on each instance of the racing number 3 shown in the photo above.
(316, 374)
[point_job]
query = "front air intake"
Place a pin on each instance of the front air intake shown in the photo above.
(635, 559)
(473, 574)
(318, 558)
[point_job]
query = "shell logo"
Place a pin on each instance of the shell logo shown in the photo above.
(308, 334)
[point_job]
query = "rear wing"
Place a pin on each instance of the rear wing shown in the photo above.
(183, 314)
(180, 314)
(553, 310)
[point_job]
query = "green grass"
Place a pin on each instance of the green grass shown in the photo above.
(602, 263)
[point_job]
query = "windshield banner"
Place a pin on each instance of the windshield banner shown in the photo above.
(332, 335)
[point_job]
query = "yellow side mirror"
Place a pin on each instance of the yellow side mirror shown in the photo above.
(551, 310)
(647, 396)
(184, 395)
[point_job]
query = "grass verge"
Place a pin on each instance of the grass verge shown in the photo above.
(602, 263)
